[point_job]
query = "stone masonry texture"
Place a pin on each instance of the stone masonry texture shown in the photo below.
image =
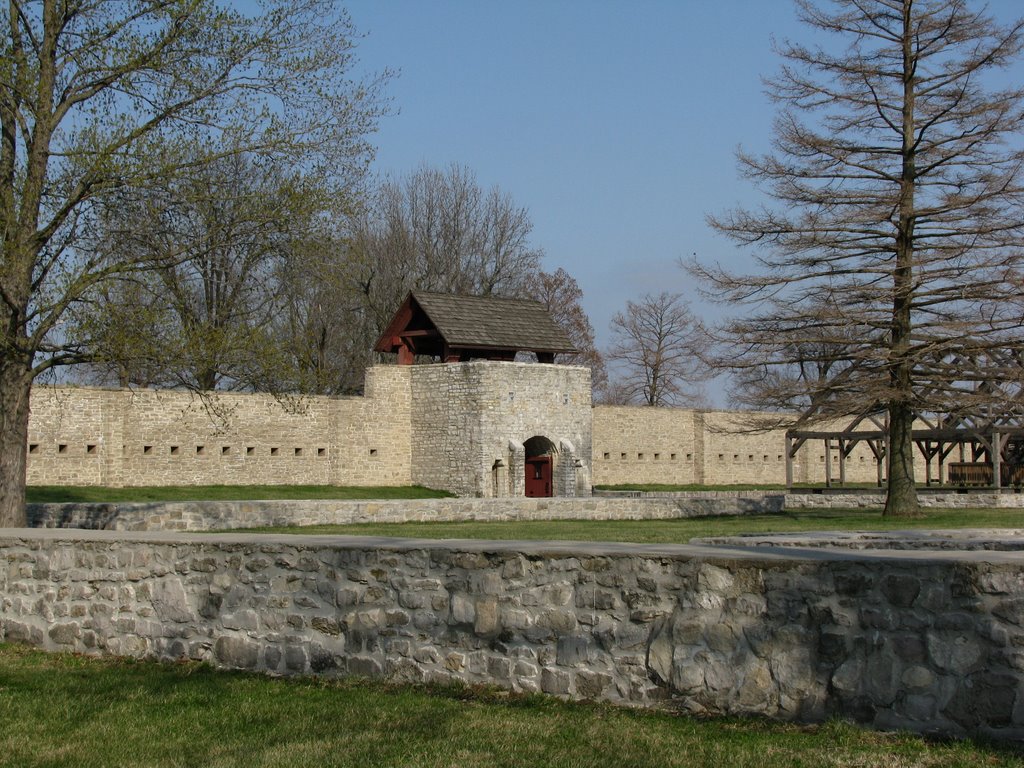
(925, 641)
(460, 427)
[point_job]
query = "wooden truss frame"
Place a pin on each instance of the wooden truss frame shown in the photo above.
(990, 435)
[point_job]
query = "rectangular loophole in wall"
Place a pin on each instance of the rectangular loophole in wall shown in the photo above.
(321, 452)
(175, 450)
(640, 457)
(750, 457)
(622, 456)
(721, 457)
(200, 450)
(62, 447)
(373, 451)
(657, 456)
(90, 448)
(147, 449)
(672, 457)
(33, 447)
(689, 457)
(250, 450)
(298, 451)
(225, 450)
(273, 451)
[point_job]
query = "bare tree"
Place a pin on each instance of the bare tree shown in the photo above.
(98, 98)
(655, 350)
(898, 231)
(559, 292)
(439, 230)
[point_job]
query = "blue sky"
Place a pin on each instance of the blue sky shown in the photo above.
(614, 123)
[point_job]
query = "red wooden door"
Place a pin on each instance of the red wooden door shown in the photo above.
(538, 476)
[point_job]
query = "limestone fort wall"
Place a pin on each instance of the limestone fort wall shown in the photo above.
(459, 427)
(88, 436)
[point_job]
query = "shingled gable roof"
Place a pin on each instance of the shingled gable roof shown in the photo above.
(480, 323)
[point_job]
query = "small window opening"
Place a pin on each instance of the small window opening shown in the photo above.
(373, 451)
(33, 448)
(640, 456)
(273, 451)
(147, 449)
(607, 456)
(250, 450)
(225, 450)
(62, 448)
(90, 448)
(622, 456)
(175, 450)
(298, 451)
(657, 456)
(200, 450)
(321, 452)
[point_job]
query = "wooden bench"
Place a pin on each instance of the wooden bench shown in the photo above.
(969, 473)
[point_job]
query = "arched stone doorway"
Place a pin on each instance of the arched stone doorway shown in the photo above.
(539, 463)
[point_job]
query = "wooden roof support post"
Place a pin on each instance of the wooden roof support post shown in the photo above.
(842, 461)
(997, 450)
(828, 463)
(789, 462)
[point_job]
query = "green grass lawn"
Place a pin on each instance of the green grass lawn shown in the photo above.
(676, 531)
(64, 710)
(67, 493)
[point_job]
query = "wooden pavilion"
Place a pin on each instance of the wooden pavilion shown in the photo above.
(984, 439)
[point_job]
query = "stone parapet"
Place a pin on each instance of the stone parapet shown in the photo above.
(224, 515)
(929, 643)
(938, 500)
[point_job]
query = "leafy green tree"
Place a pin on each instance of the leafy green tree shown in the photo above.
(99, 100)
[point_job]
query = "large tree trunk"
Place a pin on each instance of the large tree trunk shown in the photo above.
(15, 386)
(901, 499)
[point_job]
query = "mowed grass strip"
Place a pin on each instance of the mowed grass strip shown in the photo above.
(61, 710)
(52, 494)
(674, 531)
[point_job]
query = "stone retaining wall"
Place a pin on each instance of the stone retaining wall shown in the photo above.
(221, 515)
(224, 515)
(946, 499)
(929, 642)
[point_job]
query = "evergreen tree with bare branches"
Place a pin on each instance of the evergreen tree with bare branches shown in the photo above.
(896, 238)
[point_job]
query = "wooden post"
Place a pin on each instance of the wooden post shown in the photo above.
(997, 450)
(789, 462)
(828, 463)
(842, 461)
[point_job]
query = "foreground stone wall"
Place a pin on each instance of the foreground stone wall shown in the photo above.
(929, 643)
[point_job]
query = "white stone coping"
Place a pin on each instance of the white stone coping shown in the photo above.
(775, 549)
